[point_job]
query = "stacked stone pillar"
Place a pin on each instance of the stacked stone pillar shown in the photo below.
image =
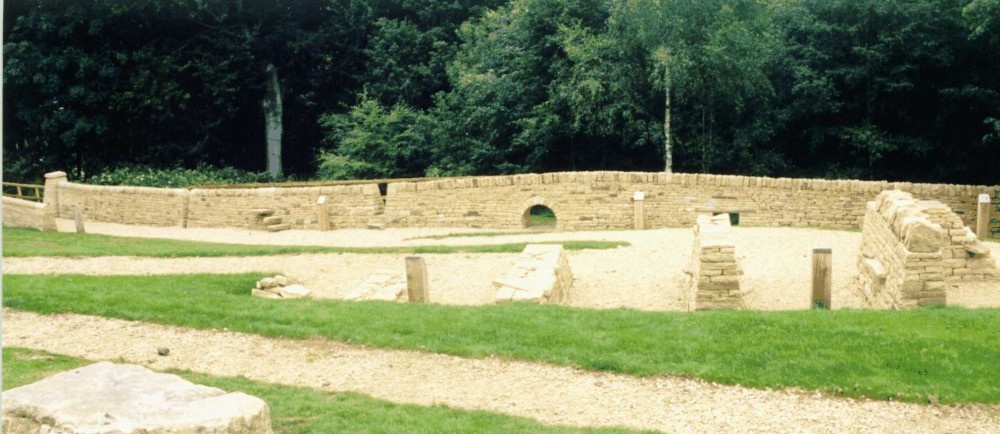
(714, 272)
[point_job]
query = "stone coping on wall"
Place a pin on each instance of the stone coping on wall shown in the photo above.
(873, 187)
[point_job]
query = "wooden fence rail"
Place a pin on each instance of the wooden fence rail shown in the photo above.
(16, 190)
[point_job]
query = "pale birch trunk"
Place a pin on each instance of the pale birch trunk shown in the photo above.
(667, 155)
(272, 120)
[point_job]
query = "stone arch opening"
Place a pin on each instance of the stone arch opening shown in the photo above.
(539, 217)
(539, 213)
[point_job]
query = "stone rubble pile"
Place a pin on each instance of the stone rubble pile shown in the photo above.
(542, 275)
(106, 398)
(383, 285)
(713, 271)
(279, 287)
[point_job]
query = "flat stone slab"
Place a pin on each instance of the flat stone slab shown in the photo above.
(383, 285)
(541, 276)
(106, 398)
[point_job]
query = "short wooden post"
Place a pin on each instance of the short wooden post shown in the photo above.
(639, 214)
(822, 278)
(416, 280)
(983, 217)
(78, 216)
(324, 214)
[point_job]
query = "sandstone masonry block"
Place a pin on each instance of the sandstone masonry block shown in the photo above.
(106, 398)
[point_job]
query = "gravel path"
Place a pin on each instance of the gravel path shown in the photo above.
(550, 394)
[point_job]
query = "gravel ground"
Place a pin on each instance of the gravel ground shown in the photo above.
(647, 275)
(549, 394)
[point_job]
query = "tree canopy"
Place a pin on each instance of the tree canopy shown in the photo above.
(905, 90)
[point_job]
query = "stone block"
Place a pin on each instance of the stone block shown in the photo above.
(294, 291)
(263, 294)
(106, 398)
(541, 275)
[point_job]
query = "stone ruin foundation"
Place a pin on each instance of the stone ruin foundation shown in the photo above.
(714, 274)
(383, 285)
(542, 275)
(910, 251)
(107, 398)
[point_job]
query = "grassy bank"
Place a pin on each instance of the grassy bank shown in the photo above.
(302, 410)
(19, 242)
(951, 353)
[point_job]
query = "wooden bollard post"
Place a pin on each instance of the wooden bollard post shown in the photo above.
(822, 278)
(78, 217)
(983, 217)
(416, 280)
(324, 214)
(639, 214)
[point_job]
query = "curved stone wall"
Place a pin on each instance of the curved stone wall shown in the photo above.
(580, 200)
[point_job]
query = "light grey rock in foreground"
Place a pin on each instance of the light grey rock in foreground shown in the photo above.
(109, 398)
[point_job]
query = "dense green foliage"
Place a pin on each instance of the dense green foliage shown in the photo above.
(951, 353)
(904, 90)
(305, 410)
(146, 176)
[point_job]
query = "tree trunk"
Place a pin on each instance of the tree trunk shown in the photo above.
(272, 119)
(667, 154)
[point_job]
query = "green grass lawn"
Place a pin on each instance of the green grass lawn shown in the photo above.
(20, 242)
(951, 353)
(304, 410)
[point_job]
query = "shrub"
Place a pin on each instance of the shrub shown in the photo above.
(145, 176)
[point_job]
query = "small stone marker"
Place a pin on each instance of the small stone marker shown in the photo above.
(324, 214)
(983, 216)
(106, 398)
(163, 351)
(416, 280)
(78, 217)
(639, 213)
(822, 278)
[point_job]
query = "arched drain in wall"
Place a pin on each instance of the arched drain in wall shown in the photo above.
(539, 217)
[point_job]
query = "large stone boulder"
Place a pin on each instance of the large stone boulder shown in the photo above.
(109, 398)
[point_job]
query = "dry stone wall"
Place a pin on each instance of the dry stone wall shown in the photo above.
(900, 265)
(580, 200)
(348, 206)
(602, 200)
(963, 257)
(22, 213)
(128, 205)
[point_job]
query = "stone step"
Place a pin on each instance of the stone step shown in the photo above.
(263, 212)
(376, 225)
(279, 228)
(272, 220)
